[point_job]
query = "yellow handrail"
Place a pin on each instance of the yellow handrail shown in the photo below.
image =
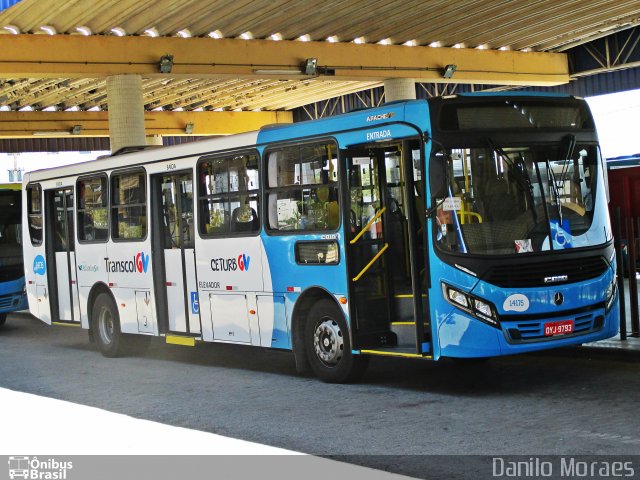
(473, 214)
(373, 260)
(369, 223)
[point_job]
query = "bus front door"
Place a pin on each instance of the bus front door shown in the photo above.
(61, 256)
(367, 249)
(174, 253)
(384, 246)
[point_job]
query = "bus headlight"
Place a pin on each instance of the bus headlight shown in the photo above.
(610, 294)
(479, 308)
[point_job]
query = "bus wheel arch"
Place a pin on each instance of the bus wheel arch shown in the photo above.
(105, 324)
(321, 336)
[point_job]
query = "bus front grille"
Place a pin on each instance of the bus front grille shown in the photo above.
(533, 330)
(545, 273)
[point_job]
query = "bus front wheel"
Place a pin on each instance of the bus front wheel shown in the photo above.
(106, 326)
(328, 345)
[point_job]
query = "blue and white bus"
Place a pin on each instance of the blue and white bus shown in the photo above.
(469, 227)
(12, 288)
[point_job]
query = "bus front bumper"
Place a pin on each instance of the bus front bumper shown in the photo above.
(463, 336)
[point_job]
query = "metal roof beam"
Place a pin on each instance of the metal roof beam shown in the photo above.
(96, 124)
(75, 56)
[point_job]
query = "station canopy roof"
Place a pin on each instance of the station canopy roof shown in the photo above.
(490, 25)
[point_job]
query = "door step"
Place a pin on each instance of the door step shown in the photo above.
(406, 352)
(404, 306)
(65, 323)
(406, 333)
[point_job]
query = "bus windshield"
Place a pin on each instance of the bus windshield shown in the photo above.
(514, 199)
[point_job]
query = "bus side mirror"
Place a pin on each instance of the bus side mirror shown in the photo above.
(437, 176)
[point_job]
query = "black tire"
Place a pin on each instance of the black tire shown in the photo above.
(328, 345)
(106, 327)
(3, 319)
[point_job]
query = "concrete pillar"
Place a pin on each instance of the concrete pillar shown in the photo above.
(154, 140)
(126, 111)
(399, 89)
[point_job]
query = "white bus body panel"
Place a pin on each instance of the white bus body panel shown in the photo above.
(129, 270)
(230, 268)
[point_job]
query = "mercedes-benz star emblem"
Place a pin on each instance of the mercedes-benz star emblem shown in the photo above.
(558, 298)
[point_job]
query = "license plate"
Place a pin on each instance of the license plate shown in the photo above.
(562, 327)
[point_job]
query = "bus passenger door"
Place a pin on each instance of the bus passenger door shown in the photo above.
(367, 248)
(61, 256)
(174, 243)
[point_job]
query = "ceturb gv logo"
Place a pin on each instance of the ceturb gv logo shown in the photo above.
(243, 262)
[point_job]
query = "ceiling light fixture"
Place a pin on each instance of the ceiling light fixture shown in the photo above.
(304, 38)
(84, 30)
(246, 36)
(215, 34)
(151, 32)
(449, 70)
(435, 44)
(410, 43)
(118, 32)
(359, 40)
(166, 64)
(276, 36)
(48, 29)
(385, 41)
(12, 29)
(310, 66)
(184, 33)
(332, 39)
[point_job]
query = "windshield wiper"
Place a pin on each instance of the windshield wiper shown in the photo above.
(554, 189)
(519, 172)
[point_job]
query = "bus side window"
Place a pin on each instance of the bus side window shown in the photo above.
(129, 206)
(228, 190)
(92, 208)
(302, 189)
(34, 212)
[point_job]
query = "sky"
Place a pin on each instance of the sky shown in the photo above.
(617, 117)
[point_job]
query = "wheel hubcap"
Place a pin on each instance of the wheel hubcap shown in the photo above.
(328, 342)
(105, 326)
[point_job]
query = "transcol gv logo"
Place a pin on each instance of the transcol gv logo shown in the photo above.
(140, 263)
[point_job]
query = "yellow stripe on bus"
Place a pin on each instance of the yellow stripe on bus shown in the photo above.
(185, 341)
(65, 324)
(395, 354)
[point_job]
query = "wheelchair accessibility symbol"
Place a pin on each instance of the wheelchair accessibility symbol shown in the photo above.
(195, 305)
(561, 234)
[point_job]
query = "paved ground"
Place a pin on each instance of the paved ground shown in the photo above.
(568, 403)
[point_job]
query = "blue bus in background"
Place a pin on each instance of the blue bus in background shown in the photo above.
(12, 288)
(468, 226)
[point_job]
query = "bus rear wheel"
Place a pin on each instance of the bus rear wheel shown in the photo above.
(328, 345)
(106, 327)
